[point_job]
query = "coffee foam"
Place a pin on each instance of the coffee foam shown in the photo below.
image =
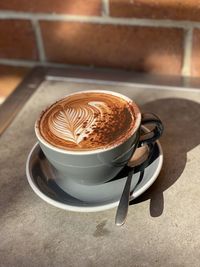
(87, 121)
(69, 123)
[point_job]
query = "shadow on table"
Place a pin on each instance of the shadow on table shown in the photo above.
(181, 119)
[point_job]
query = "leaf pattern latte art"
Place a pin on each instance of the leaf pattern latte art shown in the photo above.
(75, 122)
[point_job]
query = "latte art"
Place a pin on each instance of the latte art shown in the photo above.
(88, 121)
(75, 122)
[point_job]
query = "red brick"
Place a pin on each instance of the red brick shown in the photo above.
(10, 77)
(17, 40)
(79, 7)
(165, 9)
(195, 62)
(157, 50)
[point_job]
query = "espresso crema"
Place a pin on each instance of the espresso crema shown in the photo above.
(88, 121)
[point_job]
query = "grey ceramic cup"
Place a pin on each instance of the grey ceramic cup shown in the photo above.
(101, 165)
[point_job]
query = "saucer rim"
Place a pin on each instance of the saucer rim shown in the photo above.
(96, 208)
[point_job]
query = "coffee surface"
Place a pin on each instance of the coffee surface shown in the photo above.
(88, 121)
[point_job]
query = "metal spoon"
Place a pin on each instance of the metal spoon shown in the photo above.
(140, 156)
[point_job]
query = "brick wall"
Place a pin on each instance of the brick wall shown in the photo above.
(143, 35)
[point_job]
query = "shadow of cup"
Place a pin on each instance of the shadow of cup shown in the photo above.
(181, 119)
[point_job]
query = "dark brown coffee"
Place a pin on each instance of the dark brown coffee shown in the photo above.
(88, 121)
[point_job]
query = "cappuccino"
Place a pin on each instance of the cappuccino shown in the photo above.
(88, 121)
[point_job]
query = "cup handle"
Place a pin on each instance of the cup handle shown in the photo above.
(146, 140)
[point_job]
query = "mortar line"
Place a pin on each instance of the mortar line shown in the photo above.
(32, 63)
(101, 20)
(16, 62)
(187, 52)
(105, 8)
(39, 40)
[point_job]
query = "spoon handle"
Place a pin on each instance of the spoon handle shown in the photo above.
(122, 209)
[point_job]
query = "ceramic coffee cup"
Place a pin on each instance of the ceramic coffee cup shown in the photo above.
(101, 165)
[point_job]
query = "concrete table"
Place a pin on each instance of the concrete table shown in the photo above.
(162, 227)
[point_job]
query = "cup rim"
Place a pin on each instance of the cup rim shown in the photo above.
(93, 151)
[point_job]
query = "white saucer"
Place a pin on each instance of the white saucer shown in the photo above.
(41, 177)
